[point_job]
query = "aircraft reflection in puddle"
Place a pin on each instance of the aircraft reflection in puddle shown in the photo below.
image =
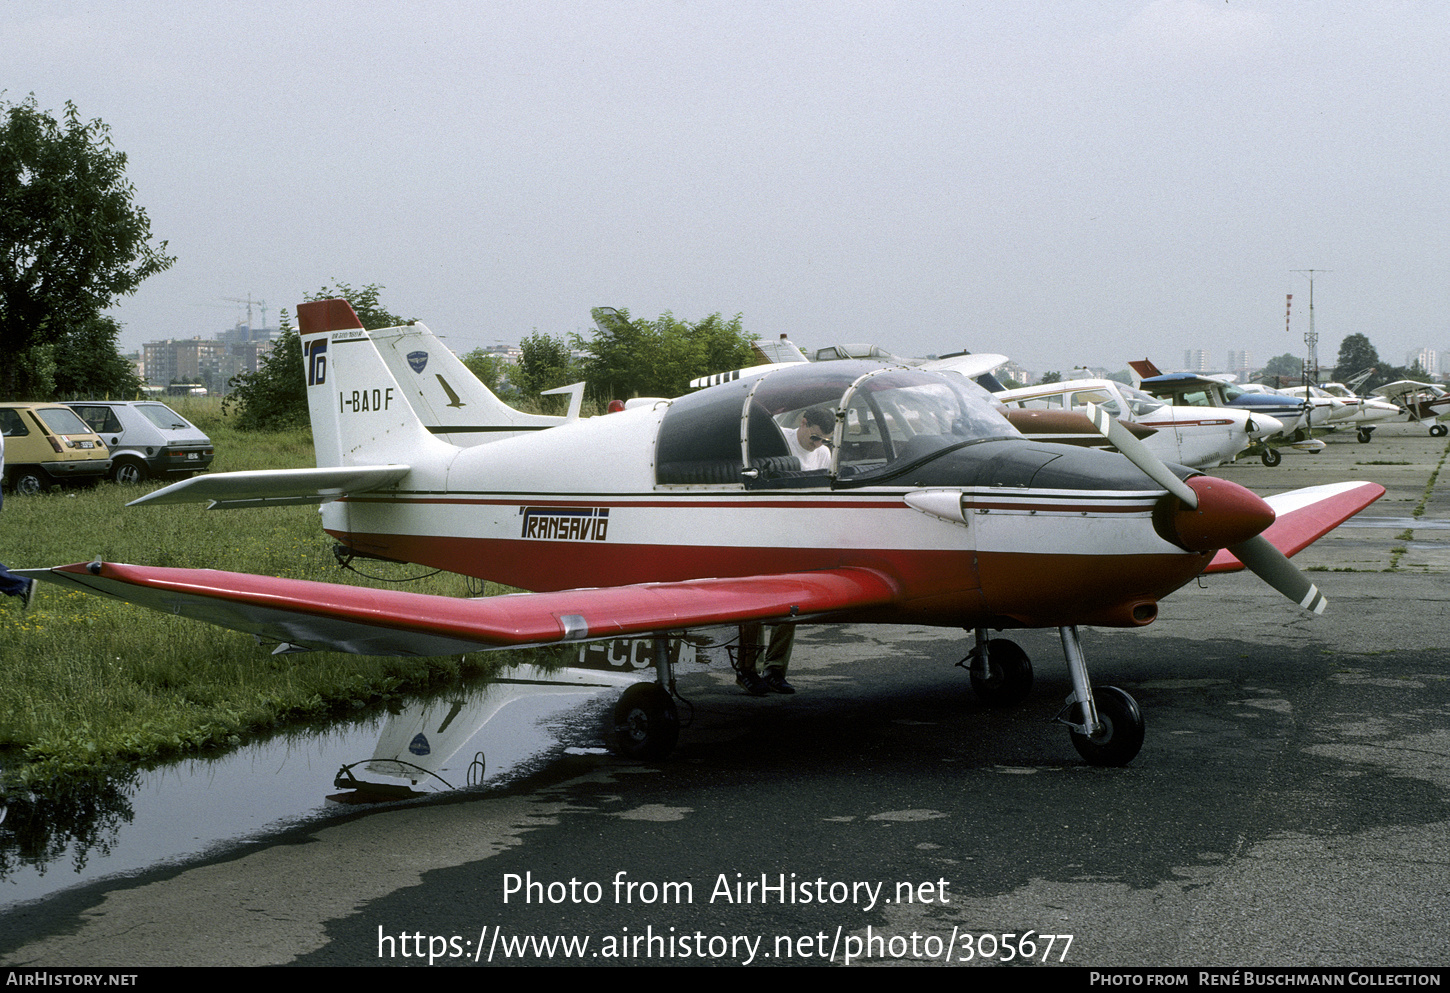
(478, 734)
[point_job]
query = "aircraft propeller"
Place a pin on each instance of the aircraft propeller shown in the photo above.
(1257, 553)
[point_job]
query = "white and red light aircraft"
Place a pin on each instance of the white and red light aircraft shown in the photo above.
(1197, 437)
(692, 513)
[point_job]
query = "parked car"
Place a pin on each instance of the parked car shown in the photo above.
(45, 444)
(147, 439)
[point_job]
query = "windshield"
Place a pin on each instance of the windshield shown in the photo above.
(894, 416)
(1140, 403)
(162, 416)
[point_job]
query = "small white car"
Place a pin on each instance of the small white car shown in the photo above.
(147, 439)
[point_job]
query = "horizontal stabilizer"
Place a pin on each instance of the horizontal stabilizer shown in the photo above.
(330, 616)
(276, 487)
(1304, 516)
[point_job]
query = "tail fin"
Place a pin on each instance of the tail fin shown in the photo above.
(360, 415)
(1144, 369)
(451, 401)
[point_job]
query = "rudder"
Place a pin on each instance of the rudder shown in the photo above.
(359, 413)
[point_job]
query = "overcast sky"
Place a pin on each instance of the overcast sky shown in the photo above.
(1065, 182)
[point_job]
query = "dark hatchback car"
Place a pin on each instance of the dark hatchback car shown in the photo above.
(147, 439)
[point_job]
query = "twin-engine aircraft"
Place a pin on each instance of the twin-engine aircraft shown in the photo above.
(693, 513)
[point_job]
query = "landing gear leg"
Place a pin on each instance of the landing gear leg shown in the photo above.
(646, 724)
(1111, 728)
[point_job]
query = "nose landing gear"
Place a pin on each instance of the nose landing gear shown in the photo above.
(1106, 730)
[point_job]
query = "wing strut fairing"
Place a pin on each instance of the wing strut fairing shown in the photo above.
(365, 621)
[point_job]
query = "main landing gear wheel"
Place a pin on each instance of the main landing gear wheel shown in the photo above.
(1120, 735)
(1438, 430)
(646, 725)
(1271, 457)
(1008, 678)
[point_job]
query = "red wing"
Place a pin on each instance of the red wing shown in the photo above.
(389, 622)
(1304, 516)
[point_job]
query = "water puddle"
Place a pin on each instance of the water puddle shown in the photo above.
(479, 736)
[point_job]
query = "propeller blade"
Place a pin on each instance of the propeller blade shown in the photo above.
(1138, 454)
(1261, 558)
(1257, 554)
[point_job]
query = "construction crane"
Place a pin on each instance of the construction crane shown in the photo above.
(261, 305)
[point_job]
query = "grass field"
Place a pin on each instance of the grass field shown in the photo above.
(90, 682)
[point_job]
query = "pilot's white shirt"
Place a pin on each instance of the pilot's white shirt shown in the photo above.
(818, 458)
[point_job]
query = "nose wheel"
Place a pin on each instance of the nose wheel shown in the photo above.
(1106, 729)
(1119, 732)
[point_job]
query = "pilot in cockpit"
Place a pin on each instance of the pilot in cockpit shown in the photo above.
(808, 441)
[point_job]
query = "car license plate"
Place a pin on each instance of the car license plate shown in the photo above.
(192, 456)
(85, 444)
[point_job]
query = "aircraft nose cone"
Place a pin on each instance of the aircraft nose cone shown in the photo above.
(1266, 426)
(1226, 515)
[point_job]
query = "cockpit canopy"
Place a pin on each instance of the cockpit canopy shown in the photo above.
(886, 419)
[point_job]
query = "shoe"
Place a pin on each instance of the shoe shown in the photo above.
(28, 595)
(775, 679)
(749, 680)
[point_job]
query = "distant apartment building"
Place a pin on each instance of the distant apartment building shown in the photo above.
(1240, 363)
(208, 361)
(1426, 358)
(1014, 372)
(186, 360)
(1195, 360)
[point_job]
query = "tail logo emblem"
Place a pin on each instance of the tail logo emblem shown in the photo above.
(418, 360)
(315, 355)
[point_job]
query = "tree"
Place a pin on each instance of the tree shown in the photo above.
(90, 366)
(1284, 369)
(488, 367)
(274, 398)
(72, 239)
(544, 363)
(630, 358)
(1356, 354)
(1051, 377)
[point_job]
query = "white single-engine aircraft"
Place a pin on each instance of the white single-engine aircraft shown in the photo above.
(1193, 436)
(692, 513)
(1419, 402)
